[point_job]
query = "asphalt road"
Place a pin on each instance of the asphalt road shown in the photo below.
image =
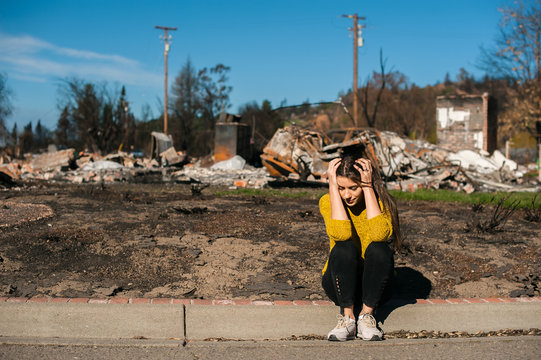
(523, 347)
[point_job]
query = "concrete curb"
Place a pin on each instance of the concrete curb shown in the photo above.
(196, 319)
(174, 301)
(76, 320)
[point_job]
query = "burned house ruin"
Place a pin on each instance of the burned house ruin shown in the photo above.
(467, 122)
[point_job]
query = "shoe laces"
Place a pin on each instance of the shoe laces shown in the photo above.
(342, 321)
(368, 320)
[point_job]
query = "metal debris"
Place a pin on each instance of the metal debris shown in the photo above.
(405, 164)
(293, 150)
(171, 157)
(160, 143)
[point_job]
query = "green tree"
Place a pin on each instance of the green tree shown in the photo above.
(6, 107)
(263, 121)
(26, 140)
(39, 136)
(466, 81)
(14, 141)
(65, 133)
(187, 106)
(14, 135)
(42, 137)
(214, 89)
(125, 121)
(108, 136)
(198, 98)
(90, 111)
(447, 81)
(87, 117)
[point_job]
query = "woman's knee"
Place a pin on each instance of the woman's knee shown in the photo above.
(345, 251)
(379, 253)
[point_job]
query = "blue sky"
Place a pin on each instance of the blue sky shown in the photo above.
(293, 50)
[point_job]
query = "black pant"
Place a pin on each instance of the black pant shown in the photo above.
(350, 280)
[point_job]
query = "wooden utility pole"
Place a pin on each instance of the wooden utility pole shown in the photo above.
(356, 43)
(166, 39)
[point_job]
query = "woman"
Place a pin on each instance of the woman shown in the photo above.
(360, 216)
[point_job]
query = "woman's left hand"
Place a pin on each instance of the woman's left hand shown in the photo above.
(365, 169)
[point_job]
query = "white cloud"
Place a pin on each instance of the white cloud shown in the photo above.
(30, 78)
(20, 44)
(30, 58)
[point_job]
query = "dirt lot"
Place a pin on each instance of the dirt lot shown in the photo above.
(149, 240)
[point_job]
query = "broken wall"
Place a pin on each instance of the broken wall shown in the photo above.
(467, 122)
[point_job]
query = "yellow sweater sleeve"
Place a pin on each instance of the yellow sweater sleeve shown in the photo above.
(377, 229)
(338, 230)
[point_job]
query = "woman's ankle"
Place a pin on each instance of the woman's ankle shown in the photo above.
(348, 312)
(367, 310)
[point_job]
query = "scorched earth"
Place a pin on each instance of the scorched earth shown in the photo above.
(162, 241)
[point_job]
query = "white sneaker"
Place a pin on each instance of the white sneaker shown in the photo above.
(344, 330)
(367, 328)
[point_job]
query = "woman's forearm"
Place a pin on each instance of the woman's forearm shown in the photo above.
(338, 211)
(371, 201)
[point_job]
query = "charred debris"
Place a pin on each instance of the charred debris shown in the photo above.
(294, 156)
(405, 164)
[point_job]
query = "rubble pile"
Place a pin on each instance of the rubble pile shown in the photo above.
(412, 164)
(87, 168)
(405, 164)
(295, 154)
(61, 166)
(232, 173)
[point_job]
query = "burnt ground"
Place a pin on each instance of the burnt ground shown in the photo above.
(150, 240)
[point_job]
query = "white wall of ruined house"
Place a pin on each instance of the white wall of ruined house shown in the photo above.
(468, 134)
(478, 140)
(446, 116)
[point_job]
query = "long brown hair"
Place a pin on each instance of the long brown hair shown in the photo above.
(346, 169)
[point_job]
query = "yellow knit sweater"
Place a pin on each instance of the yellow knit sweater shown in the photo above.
(360, 230)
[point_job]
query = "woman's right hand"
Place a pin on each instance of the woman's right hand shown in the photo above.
(331, 172)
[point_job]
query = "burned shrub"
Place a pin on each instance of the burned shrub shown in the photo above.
(197, 188)
(477, 207)
(496, 221)
(533, 214)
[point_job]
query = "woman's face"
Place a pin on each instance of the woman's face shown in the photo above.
(350, 191)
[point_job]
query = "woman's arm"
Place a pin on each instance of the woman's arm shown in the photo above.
(365, 169)
(338, 230)
(372, 206)
(338, 211)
